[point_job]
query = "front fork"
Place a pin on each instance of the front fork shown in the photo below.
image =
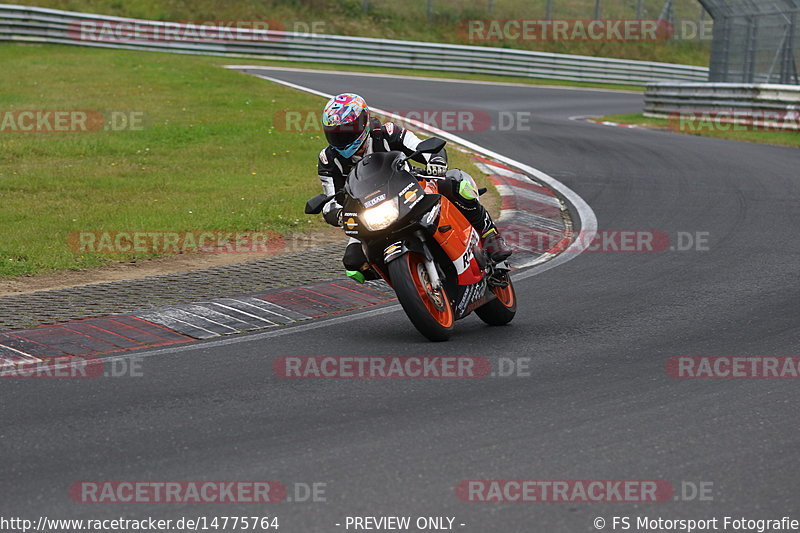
(399, 249)
(430, 266)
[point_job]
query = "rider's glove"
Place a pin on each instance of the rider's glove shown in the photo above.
(333, 216)
(437, 166)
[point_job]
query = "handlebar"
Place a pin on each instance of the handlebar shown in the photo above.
(419, 173)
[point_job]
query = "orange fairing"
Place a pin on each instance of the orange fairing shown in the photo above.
(457, 242)
(431, 187)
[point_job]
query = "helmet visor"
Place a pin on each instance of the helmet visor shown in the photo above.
(352, 148)
(342, 135)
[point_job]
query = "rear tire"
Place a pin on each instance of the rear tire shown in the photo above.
(502, 309)
(428, 310)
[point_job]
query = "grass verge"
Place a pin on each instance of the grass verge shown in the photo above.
(207, 156)
(781, 138)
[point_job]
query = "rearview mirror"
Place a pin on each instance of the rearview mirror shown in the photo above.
(315, 205)
(431, 145)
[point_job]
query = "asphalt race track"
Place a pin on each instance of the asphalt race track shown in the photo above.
(598, 330)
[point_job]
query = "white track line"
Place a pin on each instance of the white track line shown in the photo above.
(432, 78)
(588, 220)
(585, 214)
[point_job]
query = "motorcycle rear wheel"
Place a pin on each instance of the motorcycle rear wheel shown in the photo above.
(501, 310)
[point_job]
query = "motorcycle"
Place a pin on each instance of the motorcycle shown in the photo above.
(420, 244)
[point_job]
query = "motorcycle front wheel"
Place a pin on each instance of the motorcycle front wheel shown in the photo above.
(428, 309)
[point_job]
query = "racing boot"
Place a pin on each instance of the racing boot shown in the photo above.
(494, 244)
(365, 274)
(355, 263)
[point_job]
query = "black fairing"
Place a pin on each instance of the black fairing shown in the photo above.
(384, 177)
(374, 172)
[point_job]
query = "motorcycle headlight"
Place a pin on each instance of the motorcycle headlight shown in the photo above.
(381, 216)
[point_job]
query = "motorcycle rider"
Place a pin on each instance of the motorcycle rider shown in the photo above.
(352, 134)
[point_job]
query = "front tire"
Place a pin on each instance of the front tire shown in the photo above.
(428, 310)
(502, 309)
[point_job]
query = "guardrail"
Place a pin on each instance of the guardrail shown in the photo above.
(777, 106)
(33, 24)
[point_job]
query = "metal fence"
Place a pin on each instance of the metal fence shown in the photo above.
(755, 41)
(31, 24)
(778, 105)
